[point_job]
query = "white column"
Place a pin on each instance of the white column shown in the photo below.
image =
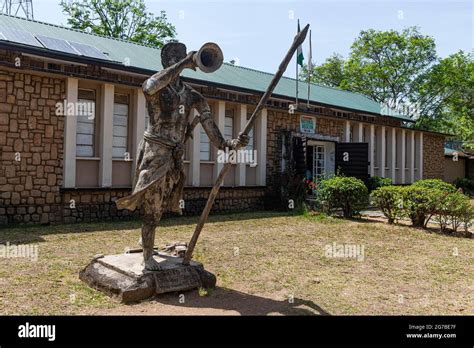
(106, 134)
(383, 144)
(360, 133)
(393, 157)
(371, 149)
(403, 157)
(220, 121)
(260, 133)
(411, 153)
(241, 121)
(420, 157)
(139, 113)
(348, 132)
(70, 123)
(196, 153)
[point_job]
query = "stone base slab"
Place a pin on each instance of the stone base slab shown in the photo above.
(122, 275)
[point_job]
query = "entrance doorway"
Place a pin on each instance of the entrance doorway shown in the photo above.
(320, 160)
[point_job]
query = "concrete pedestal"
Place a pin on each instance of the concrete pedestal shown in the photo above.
(123, 276)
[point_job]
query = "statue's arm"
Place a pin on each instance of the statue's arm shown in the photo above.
(210, 127)
(164, 77)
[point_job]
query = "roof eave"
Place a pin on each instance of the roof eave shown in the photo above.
(146, 72)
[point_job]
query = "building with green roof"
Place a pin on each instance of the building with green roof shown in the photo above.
(48, 69)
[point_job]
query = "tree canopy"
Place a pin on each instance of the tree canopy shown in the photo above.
(124, 19)
(401, 69)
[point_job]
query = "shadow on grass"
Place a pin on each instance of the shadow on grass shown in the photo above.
(244, 304)
(23, 234)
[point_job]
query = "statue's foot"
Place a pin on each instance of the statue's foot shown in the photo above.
(152, 265)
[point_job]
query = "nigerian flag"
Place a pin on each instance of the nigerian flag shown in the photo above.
(299, 52)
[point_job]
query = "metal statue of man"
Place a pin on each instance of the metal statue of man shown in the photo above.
(159, 176)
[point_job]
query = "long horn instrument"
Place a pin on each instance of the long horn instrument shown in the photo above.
(298, 40)
(209, 58)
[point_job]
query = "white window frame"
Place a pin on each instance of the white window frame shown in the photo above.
(205, 146)
(315, 160)
(229, 124)
(120, 129)
(82, 133)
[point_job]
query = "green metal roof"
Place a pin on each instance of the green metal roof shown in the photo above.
(148, 58)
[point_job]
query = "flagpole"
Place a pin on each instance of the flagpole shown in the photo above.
(297, 82)
(310, 66)
(296, 101)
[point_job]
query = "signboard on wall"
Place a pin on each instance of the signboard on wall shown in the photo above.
(307, 124)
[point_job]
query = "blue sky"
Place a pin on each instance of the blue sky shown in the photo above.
(257, 33)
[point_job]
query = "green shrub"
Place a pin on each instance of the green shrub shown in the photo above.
(435, 184)
(390, 200)
(375, 182)
(464, 184)
(454, 210)
(467, 217)
(421, 203)
(348, 193)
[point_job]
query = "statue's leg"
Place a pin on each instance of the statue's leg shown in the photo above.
(153, 211)
(148, 243)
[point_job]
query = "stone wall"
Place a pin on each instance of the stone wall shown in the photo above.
(280, 121)
(86, 205)
(31, 147)
(433, 156)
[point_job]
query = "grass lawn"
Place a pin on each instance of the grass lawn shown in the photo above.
(265, 262)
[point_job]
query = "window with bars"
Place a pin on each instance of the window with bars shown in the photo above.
(205, 144)
(351, 134)
(120, 129)
(229, 124)
(85, 127)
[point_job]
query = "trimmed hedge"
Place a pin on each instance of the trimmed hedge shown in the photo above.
(421, 203)
(435, 184)
(424, 200)
(348, 193)
(455, 209)
(390, 200)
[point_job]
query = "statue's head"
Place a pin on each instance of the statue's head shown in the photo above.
(172, 53)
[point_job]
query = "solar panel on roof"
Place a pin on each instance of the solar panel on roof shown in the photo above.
(56, 44)
(88, 51)
(18, 36)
